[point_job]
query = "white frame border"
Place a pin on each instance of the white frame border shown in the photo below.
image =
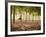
(24, 32)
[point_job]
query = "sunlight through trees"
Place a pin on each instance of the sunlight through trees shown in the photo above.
(25, 12)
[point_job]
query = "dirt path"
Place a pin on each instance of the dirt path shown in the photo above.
(26, 25)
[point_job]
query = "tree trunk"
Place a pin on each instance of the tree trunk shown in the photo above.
(11, 15)
(11, 18)
(29, 17)
(26, 16)
(14, 15)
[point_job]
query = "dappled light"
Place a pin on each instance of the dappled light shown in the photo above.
(25, 18)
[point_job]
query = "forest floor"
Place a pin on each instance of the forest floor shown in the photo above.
(24, 25)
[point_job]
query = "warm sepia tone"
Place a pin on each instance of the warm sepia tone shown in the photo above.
(25, 18)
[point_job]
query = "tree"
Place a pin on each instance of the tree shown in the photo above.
(14, 14)
(30, 11)
(36, 12)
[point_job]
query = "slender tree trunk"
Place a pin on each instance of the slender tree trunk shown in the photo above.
(14, 15)
(26, 16)
(11, 15)
(11, 18)
(20, 17)
(29, 17)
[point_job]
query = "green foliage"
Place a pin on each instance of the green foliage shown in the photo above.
(29, 9)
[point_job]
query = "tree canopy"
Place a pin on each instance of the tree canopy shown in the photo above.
(29, 9)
